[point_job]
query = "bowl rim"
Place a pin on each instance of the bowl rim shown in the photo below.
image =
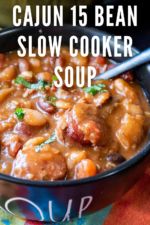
(115, 171)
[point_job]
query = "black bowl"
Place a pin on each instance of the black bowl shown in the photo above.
(50, 201)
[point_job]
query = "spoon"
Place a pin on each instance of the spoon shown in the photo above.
(129, 64)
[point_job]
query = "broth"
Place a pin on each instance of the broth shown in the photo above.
(50, 133)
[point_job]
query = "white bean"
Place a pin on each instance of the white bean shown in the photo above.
(8, 74)
(34, 118)
(4, 93)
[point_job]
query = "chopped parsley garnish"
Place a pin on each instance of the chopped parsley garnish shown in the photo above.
(41, 84)
(94, 89)
(52, 100)
(21, 80)
(54, 78)
(19, 113)
(48, 141)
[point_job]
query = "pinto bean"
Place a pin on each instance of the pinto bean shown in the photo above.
(4, 93)
(63, 94)
(34, 142)
(34, 118)
(85, 168)
(46, 76)
(80, 60)
(8, 74)
(75, 157)
(27, 75)
(13, 143)
(63, 104)
(23, 65)
(35, 64)
(7, 124)
(49, 162)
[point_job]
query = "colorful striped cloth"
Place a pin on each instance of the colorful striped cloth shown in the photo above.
(132, 209)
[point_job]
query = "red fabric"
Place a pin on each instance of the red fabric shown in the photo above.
(33, 223)
(134, 207)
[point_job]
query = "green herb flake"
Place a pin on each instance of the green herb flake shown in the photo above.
(19, 113)
(52, 100)
(94, 89)
(22, 81)
(48, 141)
(41, 84)
(54, 78)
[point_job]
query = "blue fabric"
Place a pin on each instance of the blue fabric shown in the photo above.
(93, 219)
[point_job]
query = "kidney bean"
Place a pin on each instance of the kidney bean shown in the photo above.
(115, 158)
(23, 129)
(99, 63)
(127, 76)
(45, 106)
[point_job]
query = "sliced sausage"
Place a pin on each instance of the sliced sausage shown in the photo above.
(84, 126)
(47, 164)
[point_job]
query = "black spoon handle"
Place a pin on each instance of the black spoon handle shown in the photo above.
(137, 60)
